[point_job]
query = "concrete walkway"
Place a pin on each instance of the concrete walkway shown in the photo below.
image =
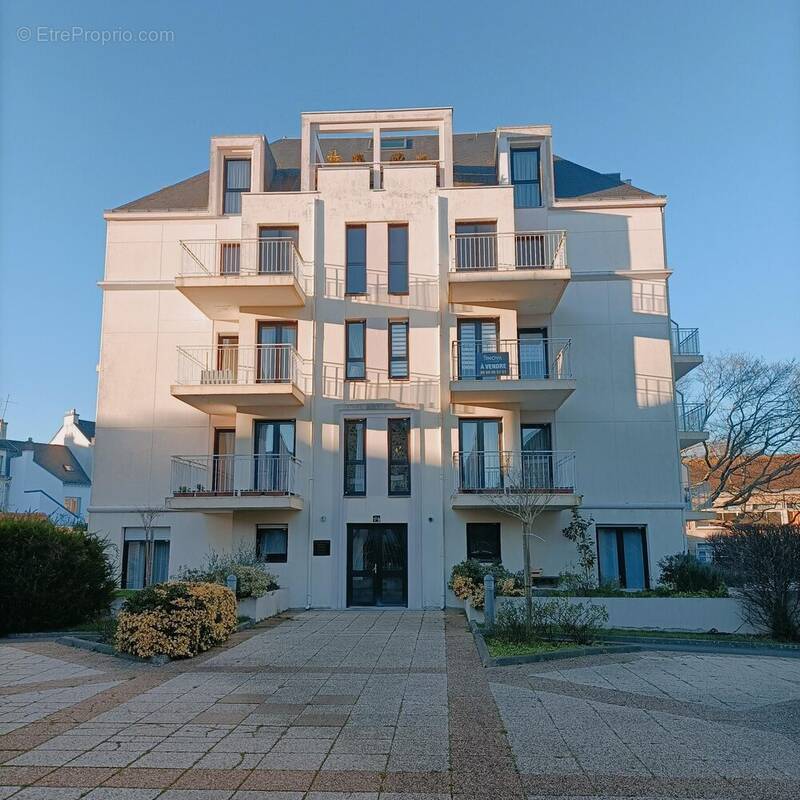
(394, 705)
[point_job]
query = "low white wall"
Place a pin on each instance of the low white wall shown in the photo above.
(699, 614)
(268, 605)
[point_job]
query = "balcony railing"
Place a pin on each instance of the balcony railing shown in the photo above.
(697, 497)
(491, 471)
(692, 416)
(232, 475)
(512, 360)
(510, 251)
(233, 365)
(685, 341)
(240, 257)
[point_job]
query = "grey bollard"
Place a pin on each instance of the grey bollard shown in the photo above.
(488, 602)
(230, 582)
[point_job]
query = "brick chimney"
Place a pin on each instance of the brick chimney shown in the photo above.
(3, 429)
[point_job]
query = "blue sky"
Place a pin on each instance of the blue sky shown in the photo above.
(696, 100)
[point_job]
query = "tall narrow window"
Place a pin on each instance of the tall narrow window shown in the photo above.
(356, 246)
(398, 349)
(237, 181)
(399, 459)
(525, 175)
(398, 259)
(355, 464)
(134, 557)
(356, 347)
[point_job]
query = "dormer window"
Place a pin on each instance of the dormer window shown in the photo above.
(237, 181)
(526, 177)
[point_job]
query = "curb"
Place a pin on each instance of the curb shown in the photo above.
(108, 650)
(568, 652)
(709, 646)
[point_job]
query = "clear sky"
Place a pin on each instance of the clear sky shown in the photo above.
(698, 100)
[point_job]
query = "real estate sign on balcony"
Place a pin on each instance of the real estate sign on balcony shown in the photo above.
(492, 365)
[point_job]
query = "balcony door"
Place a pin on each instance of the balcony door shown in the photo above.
(475, 336)
(275, 358)
(537, 456)
(227, 358)
(224, 448)
(480, 460)
(533, 353)
(377, 565)
(276, 250)
(274, 451)
(476, 245)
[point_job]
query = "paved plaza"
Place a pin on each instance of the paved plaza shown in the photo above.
(389, 704)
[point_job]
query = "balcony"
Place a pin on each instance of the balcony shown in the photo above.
(224, 277)
(235, 483)
(691, 422)
(485, 478)
(525, 271)
(685, 349)
(532, 375)
(697, 501)
(248, 380)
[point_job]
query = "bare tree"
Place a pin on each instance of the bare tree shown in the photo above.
(752, 414)
(524, 491)
(149, 516)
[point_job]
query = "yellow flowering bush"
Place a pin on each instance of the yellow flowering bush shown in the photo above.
(465, 589)
(176, 619)
(466, 581)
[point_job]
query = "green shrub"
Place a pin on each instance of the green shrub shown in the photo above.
(554, 618)
(178, 620)
(683, 573)
(252, 577)
(466, 581)
(51, 577)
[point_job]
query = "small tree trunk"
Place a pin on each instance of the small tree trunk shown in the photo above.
(526, 559)
(148, 558)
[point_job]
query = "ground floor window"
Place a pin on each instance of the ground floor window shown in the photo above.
(483, 541)
(272, 543)
(134, 557)
(622, 556)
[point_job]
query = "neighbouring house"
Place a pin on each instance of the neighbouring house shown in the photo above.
(776, 504)
(336, 347)
(53, 478)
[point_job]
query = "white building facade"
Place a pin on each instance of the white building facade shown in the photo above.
(336, 348)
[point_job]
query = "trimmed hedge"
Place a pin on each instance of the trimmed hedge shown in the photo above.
(176, 619)
(51, 577)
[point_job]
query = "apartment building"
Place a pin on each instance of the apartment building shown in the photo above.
(337, 348)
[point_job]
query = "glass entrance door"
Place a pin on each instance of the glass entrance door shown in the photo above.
(480, 455)
(276, 344)
(377, 561)
(475, 336)
(274, 449)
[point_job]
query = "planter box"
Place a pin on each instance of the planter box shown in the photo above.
(690, 614)
(268, 605)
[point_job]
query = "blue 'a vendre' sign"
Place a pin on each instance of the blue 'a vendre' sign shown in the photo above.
(492, 364)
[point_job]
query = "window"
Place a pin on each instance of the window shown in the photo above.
(398, 348)
(355, 465)
(476, 337)
(525, 177)
(476, 245)
(134, 554)
(73, 505)
(274, 456)
(356, 350)
(480, 457)
(399, 460)
(276, 247)
(356, 256)
(483, 541)
(398, 259)
(396, 143)
(272, 543)
(622, 556)
(237, 181)
(230, 258)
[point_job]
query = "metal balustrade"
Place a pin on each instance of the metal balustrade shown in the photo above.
(240, 257)
(230, 475)
(235, 365)
(692, 416)
(490, 471)
(528, 359)
(697, 497)
(509, 251)
(685, 341)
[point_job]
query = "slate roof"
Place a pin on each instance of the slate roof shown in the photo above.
(86, 427)
(57, 459)
(473, 165)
